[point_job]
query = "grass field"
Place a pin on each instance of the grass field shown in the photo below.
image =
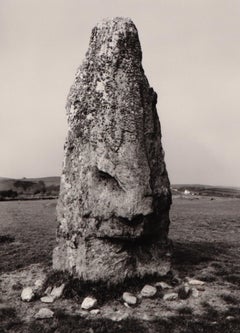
(205, 234)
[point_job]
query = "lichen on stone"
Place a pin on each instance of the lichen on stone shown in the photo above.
(114, 202)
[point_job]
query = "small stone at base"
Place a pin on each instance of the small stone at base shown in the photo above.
(148, 291)
(47, 299)
(129, 298)
(127, 306)
(170, 297)
(57, 291)
(163, 285)
(27, 294)
(195, 282)
(44, 313)
(48, 291)
(89, 303)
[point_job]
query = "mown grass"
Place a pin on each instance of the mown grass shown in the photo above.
(205, 234)
(31, 227)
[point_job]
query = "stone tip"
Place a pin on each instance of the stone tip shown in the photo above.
(116, 24)
(115, 20)
(112, 36)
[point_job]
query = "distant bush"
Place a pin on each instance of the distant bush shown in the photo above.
(39, 187)
(29, 187)
(8, 194)
(52, 189)
(23, 184)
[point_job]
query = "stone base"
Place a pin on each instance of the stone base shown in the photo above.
(97, 259)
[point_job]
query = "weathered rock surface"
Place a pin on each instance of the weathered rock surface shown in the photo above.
(113, 208)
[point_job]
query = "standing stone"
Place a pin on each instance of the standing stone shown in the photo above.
(113, 208)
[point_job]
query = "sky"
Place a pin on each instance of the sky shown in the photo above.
(191, 57)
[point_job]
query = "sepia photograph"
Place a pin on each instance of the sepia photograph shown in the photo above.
(120, 166)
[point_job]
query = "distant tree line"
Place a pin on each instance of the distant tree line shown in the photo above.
(22, 189)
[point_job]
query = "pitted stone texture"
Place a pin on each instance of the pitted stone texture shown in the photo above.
(114, 186)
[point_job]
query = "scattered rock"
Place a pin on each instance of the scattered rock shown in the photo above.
(27, 294)
(230, 318)
(127, 306)
(170, 297)
(95, 311)
(47, 299)
(148, 291)
(163, 285)
(184, 291)
(129, 298)
(195, 293)
(38, 284)
(44, 313)
(89, 303)
(194, 282)
(48, 291)
(57, 291)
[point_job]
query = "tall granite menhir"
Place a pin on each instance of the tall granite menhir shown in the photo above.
(113, 209)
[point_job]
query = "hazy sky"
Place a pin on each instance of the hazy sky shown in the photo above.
(191, 56)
